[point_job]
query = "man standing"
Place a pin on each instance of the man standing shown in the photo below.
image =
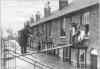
(24, 34)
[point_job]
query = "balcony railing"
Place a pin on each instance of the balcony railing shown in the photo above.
(47, 44)
(78, 38)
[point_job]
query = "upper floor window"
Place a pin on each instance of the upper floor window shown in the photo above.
(62, 31)
(43, 29)
(85, 18)
(50, 29)
(85, 22)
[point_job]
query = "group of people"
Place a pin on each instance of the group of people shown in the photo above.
(25, 34)
(77, 33)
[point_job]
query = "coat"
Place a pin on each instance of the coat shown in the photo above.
(24, 37)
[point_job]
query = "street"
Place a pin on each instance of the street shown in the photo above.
(48, 60)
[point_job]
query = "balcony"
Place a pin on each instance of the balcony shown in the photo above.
(79, 38)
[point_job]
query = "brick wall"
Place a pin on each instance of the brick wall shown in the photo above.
(94, 25)
(76, 18)
(67, 29)
(56, 31)
(93, 32)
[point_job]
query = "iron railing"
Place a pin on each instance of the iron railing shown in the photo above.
(9, 52)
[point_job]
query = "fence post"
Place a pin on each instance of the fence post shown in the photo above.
(34, 64)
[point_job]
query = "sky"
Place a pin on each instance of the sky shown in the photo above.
(14, 13)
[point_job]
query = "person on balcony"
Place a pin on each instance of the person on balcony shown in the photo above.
(23, 39)
(82, 34)
(73, 32)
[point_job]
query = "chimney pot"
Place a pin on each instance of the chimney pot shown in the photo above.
(47, 10)
(37, 16)
(32, 18)
(63, 4)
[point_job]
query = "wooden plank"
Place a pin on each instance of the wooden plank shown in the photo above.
(58, 47)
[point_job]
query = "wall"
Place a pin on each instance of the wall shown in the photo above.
(94, 24)
(67, 34)
(93, 32)
(76, 18)
(56, 31)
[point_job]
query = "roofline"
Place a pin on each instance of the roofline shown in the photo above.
(56, 17)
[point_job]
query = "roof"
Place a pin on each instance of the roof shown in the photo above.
(74, 6)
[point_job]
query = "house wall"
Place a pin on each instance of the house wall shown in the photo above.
(76, 18)
(57, 38)
(56, 31)
(67, 34)
(94, 33)
(94, 40)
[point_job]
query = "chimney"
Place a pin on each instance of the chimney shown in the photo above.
(63, 4)
(32, 18)
(47, 10)
(37, 16)
(26, 23)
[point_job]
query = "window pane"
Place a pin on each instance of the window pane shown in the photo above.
(62, 27)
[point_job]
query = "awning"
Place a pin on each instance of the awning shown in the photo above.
(57, 47)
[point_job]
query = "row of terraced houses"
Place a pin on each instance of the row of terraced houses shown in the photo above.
(56, 38)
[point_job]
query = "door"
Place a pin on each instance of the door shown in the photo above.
(65, 54)
(93, 61)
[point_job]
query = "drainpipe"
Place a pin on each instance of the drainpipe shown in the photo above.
(78, 58)
(69, 55)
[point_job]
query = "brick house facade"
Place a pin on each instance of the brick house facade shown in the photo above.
(55, 31)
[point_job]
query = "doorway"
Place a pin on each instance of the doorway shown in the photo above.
(94, 59)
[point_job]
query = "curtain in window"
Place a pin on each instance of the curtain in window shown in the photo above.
(63, 24)
(85, 18)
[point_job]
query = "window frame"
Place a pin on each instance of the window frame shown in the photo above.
(86, 17)
(61, 28)
(50, 29)
(43, 29)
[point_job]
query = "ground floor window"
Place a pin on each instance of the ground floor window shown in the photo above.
(74, 55)
(82, 58)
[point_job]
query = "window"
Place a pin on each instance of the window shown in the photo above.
(62, 33)
(85, 19)
(85, 22)
(43, 29)
(50, 29)
(86, 30)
